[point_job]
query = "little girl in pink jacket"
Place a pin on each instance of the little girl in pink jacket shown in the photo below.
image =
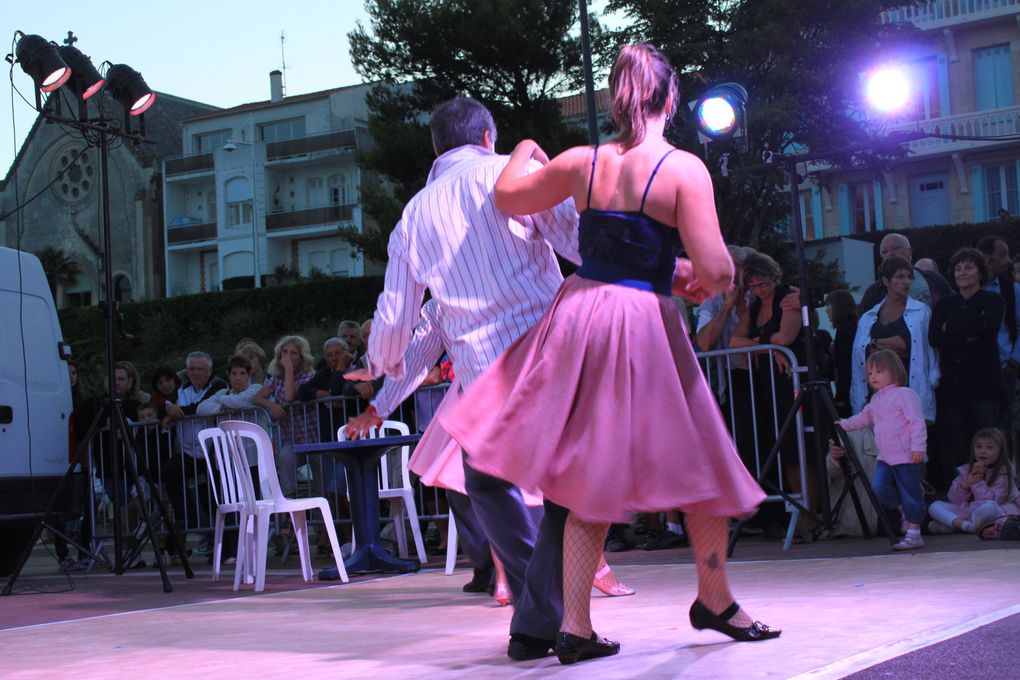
(895, 415)
(984, 490)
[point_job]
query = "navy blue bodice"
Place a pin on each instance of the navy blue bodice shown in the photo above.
(627, 247)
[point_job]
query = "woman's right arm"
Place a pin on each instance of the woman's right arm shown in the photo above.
(698, 222)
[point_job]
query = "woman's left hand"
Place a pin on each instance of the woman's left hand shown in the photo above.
(783, 364)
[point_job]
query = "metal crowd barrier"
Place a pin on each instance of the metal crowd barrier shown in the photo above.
(751, 400)
(755, 399)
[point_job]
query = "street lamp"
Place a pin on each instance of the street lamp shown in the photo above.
(230, 147)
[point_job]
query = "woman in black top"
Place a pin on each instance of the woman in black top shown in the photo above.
(964, 327)
(842, 311)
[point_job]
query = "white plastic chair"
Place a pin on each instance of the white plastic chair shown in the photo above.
(227, 494)
(401, 498)
(275, 502)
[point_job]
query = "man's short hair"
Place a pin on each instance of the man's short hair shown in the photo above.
(199, 355)
(348, 324)
(460, 121)
(336, 341)
(987, 244)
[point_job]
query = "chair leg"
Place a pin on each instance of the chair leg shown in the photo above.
(244, 551)
(327, 519)
(397, 515)
(412, 516)
(261, 550)
(217, 554)
(451, 546)
(300, 524)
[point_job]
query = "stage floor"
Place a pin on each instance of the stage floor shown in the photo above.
(839, 615)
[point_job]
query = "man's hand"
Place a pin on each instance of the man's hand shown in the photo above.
(277, 412)
(359, 375)
(917, 456)
(791, 300)
(364, 390)
(358, 426)
(174, 411)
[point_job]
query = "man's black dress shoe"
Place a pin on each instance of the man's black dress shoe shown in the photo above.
(525, 647)
(701, 618)
(573, 648)
(479, 583)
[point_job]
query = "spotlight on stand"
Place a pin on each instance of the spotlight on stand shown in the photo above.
(887, 89)
(721, 113)
(85, 80)
(128, 87)
(41, 61)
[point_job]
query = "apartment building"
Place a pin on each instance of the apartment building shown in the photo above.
(262, 188)
(965, 84)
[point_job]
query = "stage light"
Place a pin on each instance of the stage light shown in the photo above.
(127, 86)
(887, 89)
(41, 61)
(85, 80)
(720, 112)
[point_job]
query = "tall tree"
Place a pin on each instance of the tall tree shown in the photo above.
(59, 267)
(800, 63)
(515, 57)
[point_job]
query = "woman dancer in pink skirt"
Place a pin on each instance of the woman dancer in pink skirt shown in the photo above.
(602, 405)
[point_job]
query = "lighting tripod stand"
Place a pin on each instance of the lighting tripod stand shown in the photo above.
(814, 396)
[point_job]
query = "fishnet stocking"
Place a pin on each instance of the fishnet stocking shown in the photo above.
(582, 548)
(608, 577)
(502, 588)
(708, 540)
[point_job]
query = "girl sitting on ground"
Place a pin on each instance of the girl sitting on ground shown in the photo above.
(984, 489)
(895, 414)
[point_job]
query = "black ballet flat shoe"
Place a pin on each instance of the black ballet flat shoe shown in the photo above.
(701, 618)
(526, 648)
(572, 648)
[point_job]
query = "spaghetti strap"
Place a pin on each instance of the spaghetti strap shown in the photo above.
(647, 186)
(591, 179)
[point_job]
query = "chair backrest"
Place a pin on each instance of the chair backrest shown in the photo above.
(215, 439)
(389, 428)
(269, 481)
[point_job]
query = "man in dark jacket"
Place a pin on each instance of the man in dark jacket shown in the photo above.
(928, 286)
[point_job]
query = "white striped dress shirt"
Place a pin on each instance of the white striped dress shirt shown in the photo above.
(422, 353)
(493, 274)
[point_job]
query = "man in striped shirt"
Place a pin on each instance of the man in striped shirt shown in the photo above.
(495, 275)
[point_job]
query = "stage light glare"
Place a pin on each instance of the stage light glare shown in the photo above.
(41, 61)
(888, 89)
(720, 112)
(128, 87)
(85, 79)
(716, 115)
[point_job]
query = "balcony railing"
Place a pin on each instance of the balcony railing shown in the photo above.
(308, 217)
(331, 141)
(995, 123)
(191, 233)
(183, 164)
(940, 13)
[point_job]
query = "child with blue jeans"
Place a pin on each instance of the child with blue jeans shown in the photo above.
(895, 415)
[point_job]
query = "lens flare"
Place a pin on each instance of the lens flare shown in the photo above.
(888, 89)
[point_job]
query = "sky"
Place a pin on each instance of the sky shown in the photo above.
(218, 52)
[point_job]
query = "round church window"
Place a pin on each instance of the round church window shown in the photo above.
(73, 165)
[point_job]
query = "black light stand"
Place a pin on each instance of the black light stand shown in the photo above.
(813, 394)
(110, 407)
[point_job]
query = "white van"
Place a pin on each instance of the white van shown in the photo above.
(35, 400)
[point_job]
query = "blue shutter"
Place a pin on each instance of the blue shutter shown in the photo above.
(993, 77)
(845, 227)
(879, 214)
(943, 68)
(977, 193)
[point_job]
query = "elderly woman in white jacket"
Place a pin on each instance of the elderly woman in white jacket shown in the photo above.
(898, 323)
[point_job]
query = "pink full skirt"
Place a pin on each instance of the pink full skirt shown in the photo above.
(602, 407)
